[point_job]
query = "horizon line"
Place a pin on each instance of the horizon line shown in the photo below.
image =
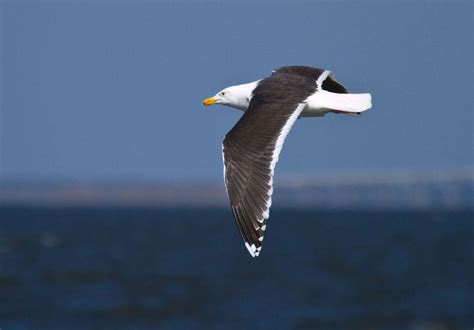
(337, 177)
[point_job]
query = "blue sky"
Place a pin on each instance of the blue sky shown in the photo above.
(112, 91)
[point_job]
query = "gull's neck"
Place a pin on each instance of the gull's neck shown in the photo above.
(243, 94)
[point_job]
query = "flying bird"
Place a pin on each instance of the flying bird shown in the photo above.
(250, 150)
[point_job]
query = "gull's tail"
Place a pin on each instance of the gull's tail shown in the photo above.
(340, 103)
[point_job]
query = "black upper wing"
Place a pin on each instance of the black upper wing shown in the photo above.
(329, 84)
(251, 150)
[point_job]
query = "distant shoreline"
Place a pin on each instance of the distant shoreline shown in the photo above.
(339, 192)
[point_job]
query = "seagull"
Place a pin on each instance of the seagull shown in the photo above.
(250, 150)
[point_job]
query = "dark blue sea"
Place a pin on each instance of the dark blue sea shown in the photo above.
(138, 268)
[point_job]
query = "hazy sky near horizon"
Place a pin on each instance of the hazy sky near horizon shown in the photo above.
(98, 90)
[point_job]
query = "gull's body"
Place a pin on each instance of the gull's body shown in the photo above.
(251, 149)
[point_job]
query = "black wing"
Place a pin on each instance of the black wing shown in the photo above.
(251, 150)
(329, 83)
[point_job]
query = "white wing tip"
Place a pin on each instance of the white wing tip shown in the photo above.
(253, 250)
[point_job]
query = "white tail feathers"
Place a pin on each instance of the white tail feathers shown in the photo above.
(324, 101)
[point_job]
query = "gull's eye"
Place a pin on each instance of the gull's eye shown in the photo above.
(222, 93)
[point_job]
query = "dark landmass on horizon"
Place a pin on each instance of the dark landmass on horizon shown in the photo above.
(416, 191)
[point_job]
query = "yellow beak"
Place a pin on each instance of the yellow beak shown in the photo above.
(209, 101)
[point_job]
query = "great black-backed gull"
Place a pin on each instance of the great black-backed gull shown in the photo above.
(251, 148)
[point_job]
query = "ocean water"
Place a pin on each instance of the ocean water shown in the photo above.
(131, 268)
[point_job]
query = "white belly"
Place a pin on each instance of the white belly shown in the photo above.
(323, 102)
(314, 112)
